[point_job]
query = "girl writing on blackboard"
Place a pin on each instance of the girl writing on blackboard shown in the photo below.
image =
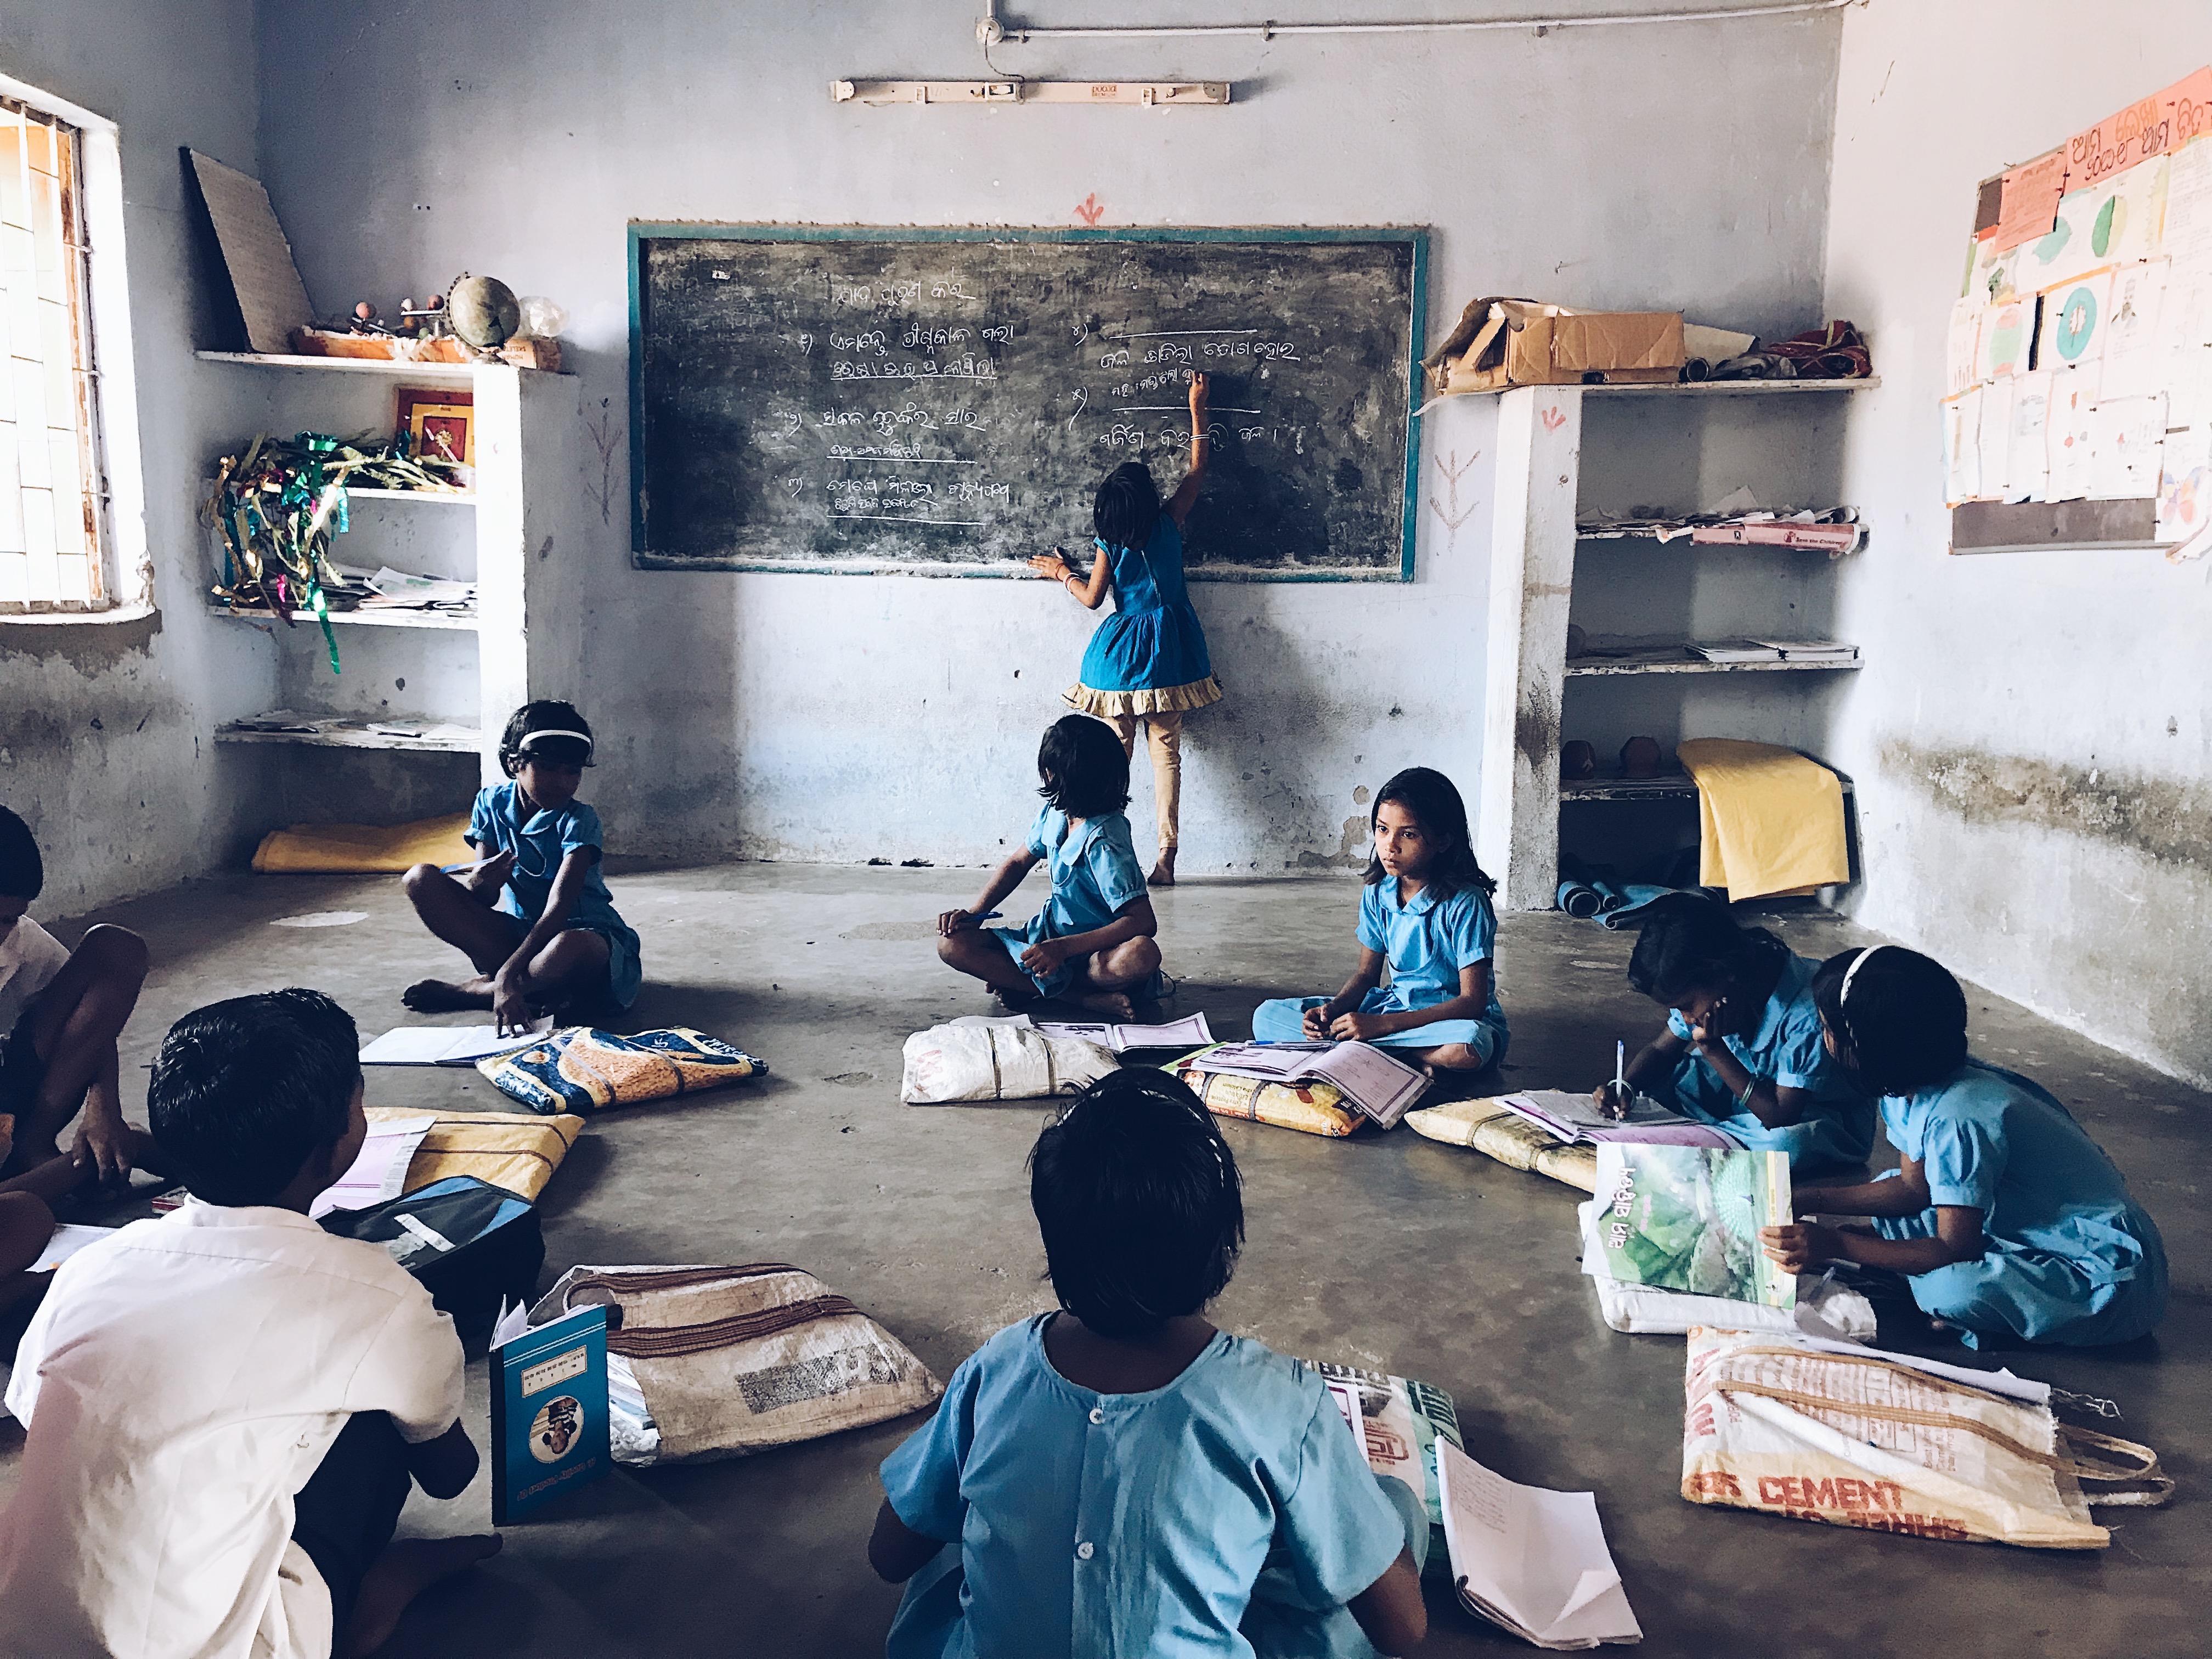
(1146, 662)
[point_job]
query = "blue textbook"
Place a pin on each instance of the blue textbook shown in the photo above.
(549, 1414)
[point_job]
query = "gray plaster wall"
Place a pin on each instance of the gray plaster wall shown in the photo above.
(2031, 738)
(845, 718)
(106, 727)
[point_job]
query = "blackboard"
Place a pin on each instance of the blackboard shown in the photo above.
(945, 402)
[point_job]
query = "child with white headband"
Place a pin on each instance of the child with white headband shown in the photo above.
(2010, 1223)
(534, 917)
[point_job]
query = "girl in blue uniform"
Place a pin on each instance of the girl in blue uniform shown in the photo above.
(2010, 1222)
(535, 917)
(1119, 1477)
(1742, 1049)
(1426, 915)
(1093, 942)
(1147, 661)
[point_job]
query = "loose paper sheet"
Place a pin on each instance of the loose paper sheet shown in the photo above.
(2127, 435)
(67, 1240)
(2074, 321)
(2068, 431)
(2132, 365)
(1994, 433)
(2007, 333)
(1962, 345)
(2028, 199)
(2029, 456)
(1962, 450)
(379, 1172)
(447, 1045)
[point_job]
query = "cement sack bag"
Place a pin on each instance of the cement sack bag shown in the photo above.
(733, 1360)
(1825, 1308)
(974, 1058)
(1860, 1440)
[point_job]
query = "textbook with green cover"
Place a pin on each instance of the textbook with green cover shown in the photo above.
(1687, 1219)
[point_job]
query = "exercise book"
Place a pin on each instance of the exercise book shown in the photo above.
(448, 1045)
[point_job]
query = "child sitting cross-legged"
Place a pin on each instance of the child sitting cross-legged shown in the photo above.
(1093, 942)
(226, 1406)
(1120, 1478)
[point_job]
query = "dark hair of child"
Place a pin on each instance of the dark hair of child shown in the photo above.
(1085, 774)
(1127, 506)
(1690, 944)
(245, 1091)
(1903, 1026)
(1433, 799)
(22, 872)
(548, 715)
(1138, 1198)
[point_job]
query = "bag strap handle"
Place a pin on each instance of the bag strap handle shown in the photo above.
(2116, 1471)
(668, 1278)
(1814, 1404)
(1930, 1378)
(671, 1342)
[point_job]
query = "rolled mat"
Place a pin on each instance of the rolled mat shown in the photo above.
(374, 849)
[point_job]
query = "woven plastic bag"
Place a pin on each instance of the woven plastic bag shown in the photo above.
(975, 1059)
(582, 1069)
(1310, 1105)
(1859, 1440)
(508, 1149)
(1492, 1130)
(736, 1359)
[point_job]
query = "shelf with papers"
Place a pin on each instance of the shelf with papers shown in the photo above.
(335, 732)
(449, 374)
(1734, 388)
(462, 622)
(1674, 659)
(443, 497)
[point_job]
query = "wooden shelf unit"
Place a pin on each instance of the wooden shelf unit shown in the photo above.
(530, 456)
(443, 739)
(1534, 534)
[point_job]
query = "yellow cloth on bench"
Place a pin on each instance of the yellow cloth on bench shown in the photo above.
(376, 849)
(1769, 821)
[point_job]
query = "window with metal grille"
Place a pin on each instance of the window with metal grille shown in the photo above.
(53, 553)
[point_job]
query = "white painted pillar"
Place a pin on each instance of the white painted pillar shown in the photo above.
(1532, 564)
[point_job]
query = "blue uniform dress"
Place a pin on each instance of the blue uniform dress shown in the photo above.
(1095, 877)
(539, 842)
(2069, 1256)
(1228, 1513)
(1836, 1132)
(1427, 941)
(1149, 656)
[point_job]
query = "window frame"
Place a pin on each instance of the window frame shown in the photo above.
(123, 570)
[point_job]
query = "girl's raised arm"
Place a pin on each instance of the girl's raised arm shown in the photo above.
(1186, 496)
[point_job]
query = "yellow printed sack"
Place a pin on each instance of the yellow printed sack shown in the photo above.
(1312, 1106)
(1862, 1440)
(1492, 1130)
(582, 1069)
(507, 1149)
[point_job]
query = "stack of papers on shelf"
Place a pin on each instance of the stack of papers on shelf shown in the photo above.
(1811, 650)
(1532, 1562)
(1188, 1033)
(448, 1045)
(397, 590)
(1574, 1118)
(379, 1173)
(1737, 651)
(1370, 1079)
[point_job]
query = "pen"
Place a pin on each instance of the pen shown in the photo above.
(1619, 1079)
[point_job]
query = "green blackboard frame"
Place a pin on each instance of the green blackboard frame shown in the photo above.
(643, 231)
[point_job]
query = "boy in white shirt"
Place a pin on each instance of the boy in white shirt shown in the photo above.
(61, 1012)
(225, 1405)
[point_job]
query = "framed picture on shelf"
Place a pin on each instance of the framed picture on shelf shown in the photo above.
(437, 422)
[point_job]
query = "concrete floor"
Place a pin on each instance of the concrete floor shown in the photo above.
(1392, 1252)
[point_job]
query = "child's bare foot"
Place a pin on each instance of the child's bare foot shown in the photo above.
(1114, 1004)
(403, 1572)
(1163, 869)
(1014, 1000)
(438, 996)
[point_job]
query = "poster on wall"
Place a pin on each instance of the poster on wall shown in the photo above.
(2074, 321)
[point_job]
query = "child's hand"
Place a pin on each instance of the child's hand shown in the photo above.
(1044, 956)
(1357, 1027)
(1794, 1248)
(956, 921)
(1050, 564)
(1613, 1101)
(102, 1145)
(487, 878)
(1315, 1023)
(1198, 388)
(510, 1007)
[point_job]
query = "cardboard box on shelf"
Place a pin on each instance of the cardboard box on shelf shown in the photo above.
(1502, 343)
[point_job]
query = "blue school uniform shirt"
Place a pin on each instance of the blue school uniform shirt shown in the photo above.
(1428, 940)
(539, 841)
(1991, 1141)
(1094, 870)
(1785, 1049)
(1095, 1524)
